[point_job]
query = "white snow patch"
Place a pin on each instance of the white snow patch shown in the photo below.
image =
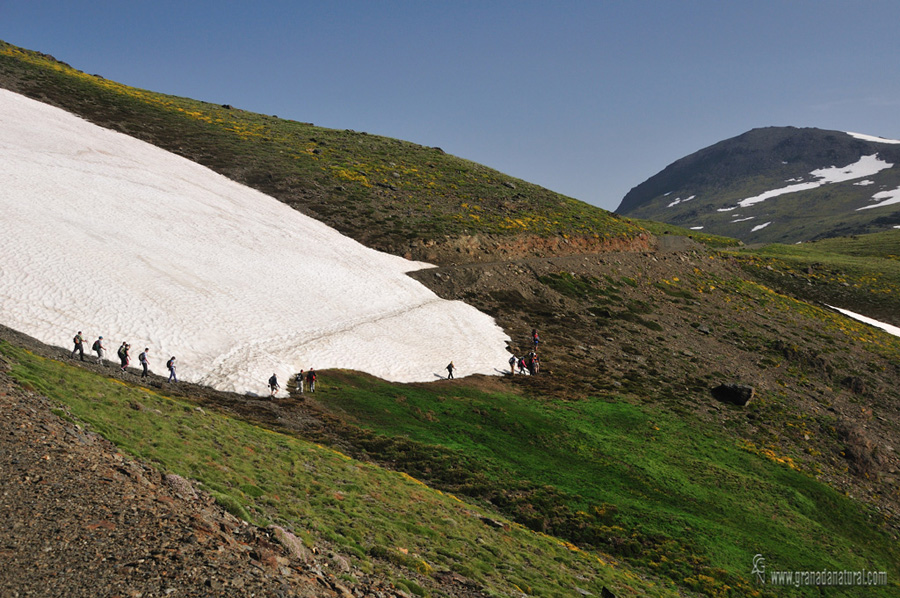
(872, 138)
(696, 228)
(760, 227)
(864, 167)
(864, 183)
(884, 198)
(103, 233)
(743, 219)
(727, 209)
(679, 200)
(886, 327)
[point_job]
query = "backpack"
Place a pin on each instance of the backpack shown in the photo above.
(121, 351)
(96, 346)
(76, 339)
(169, 363)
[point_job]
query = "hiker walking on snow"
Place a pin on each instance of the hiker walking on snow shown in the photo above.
(311, 380)
(521, 365)
(99, 348)
(450, 368)
(171, 365)
(273, 385)
(123, 354)
(512, 365)
(79, 346)
(144, 362)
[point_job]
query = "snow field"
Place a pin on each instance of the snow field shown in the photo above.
(112, 236)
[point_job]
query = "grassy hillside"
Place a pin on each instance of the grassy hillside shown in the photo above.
(387, 193)
(384, 521)
(859, 273)
(657, 490)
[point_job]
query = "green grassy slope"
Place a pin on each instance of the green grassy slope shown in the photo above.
(670, 494)
(859, 273)
(385, 521)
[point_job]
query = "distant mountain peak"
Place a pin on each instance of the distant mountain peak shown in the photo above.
(783, 184)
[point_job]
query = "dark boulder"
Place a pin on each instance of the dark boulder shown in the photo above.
(734, 394)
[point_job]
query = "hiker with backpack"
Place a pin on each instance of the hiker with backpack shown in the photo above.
(123, 354)
(311, 380)
(512, 365)
(450, 368)
(273, 385)
(99, 348)
(142, 358)
(79, 345)
(171, 365)
(534, 338)
(299, 382)
(530, 363)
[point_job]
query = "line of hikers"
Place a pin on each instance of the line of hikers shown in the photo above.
(309, 377)
(530, 362)
(124, 355)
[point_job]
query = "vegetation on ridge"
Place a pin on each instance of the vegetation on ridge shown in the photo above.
(386, 193)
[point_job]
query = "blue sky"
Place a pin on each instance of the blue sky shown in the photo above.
(586, 98)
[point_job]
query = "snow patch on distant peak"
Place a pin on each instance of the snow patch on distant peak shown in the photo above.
(885, 198)
(864, 167)
(865, 137)
(679, 200)
(696, 228)
(760, 227)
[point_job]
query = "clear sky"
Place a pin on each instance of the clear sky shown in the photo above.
(587, 98)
